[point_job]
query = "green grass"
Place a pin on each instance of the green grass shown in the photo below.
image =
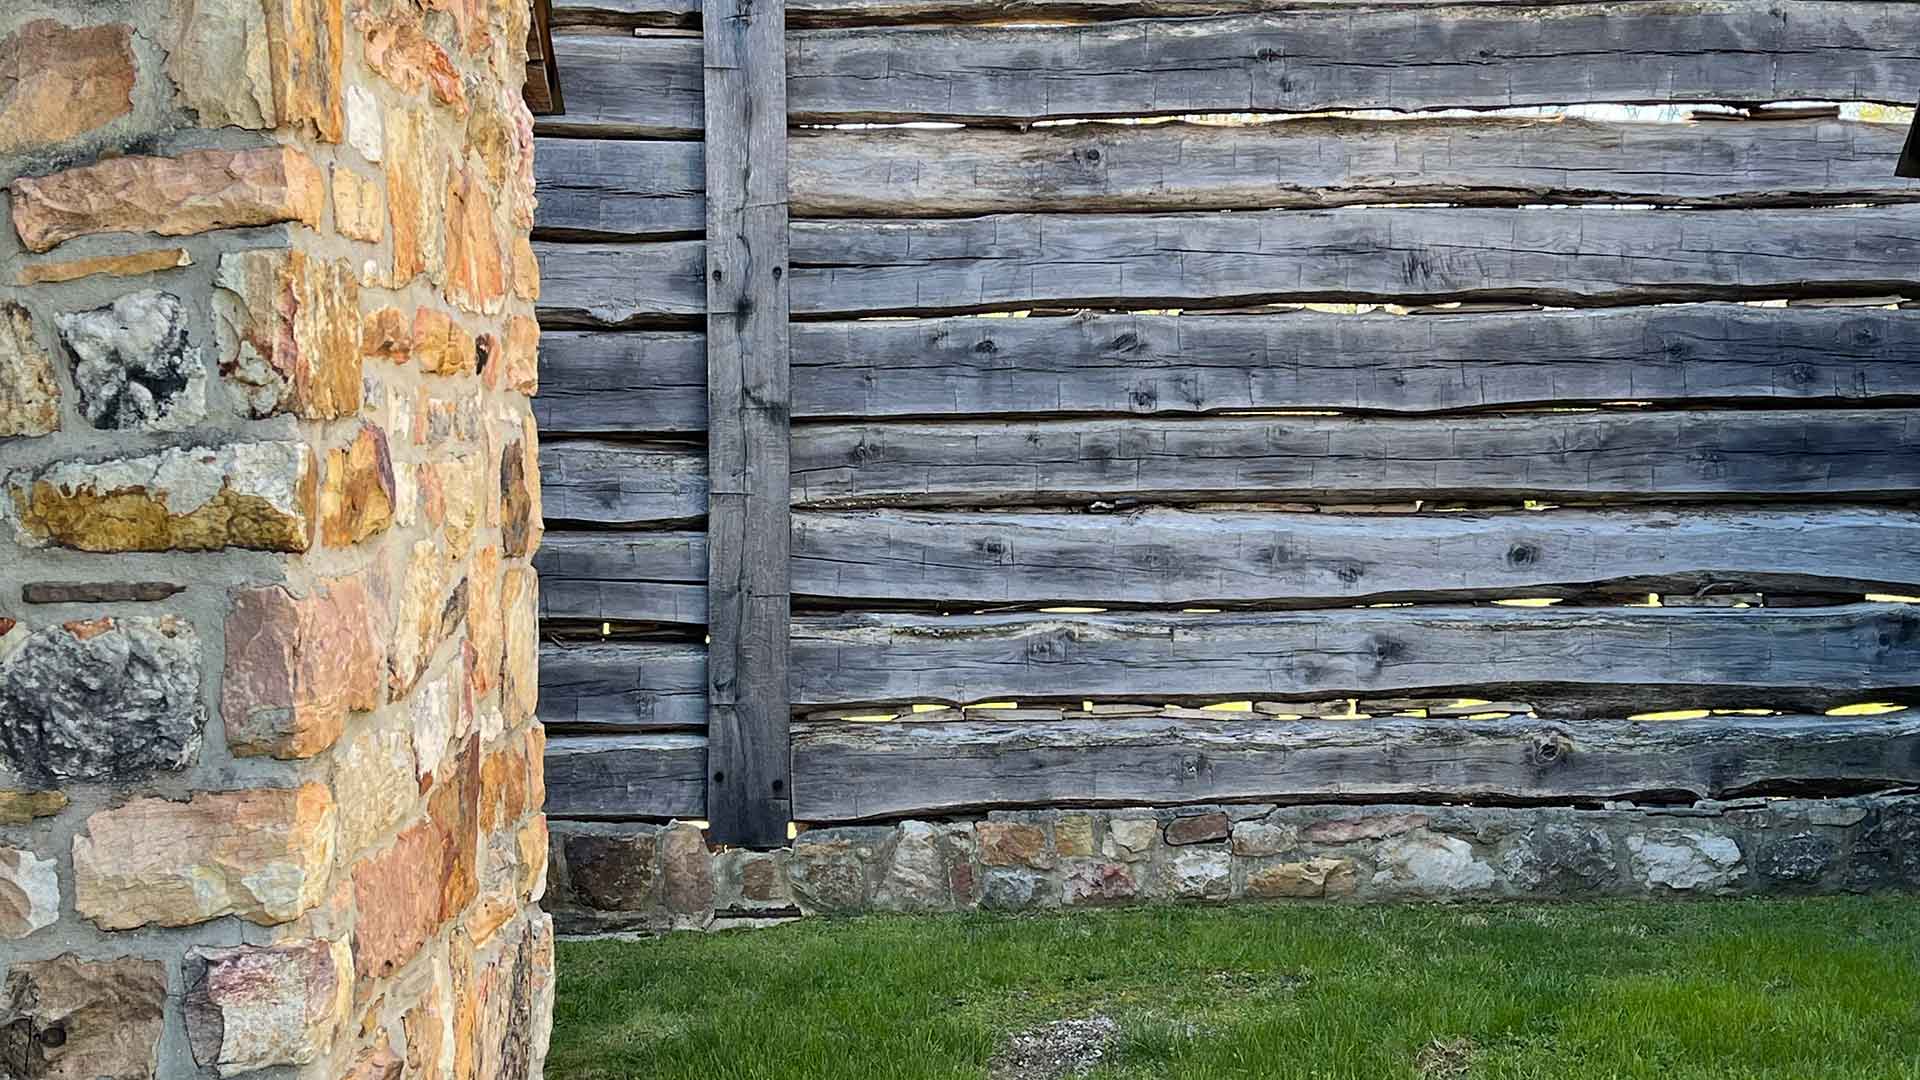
(1728, 990)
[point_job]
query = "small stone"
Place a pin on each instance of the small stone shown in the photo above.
(441, 346)
(1561, 859)
(376, 1063)
(1196, 874)
(1799, 858)
(476, 275)
(296, 668)
(520, 524)
(359, 208)
(29, 893)
(416, 194)
(1073, 836)
(686, 872)
(453, 809)
(432, 710)
(357, 494)
(397, 892)
(1431, 864)
(1094, 883)
(98, 592)
(1016, 890)
(520, 663)
(421, 626)
(133, 365)
(829, 869)
(535, 844)
(1258, 838)
(247, 495)
(1369, 827)
(196, 192)
(453, 495)
(309, 47)
(135, 265)
(262, 855)
(1131, 839)
(525, 267)
(386, 335)
(1312, 879)
(1197, 829)
(364, 131)
(290, 332)
(520, 357)
(254, 1007)
(485, 624)
(20, 807)
(375, 785)
(58, 82)
(1684, 861)
(1006, 843)
(74, 1019)
(222, 65)
(916, 877)
(29, 396)
(614, 873)
(103, 699)
(752, 881)
(400, 50)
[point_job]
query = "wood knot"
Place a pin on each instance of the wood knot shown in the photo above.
(1551, 748)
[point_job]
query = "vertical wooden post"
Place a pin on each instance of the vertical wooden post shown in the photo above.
(748, 796)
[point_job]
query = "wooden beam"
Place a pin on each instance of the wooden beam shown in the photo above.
(623, 87)
(618, 188)
(622, 382)
(542, 89)
(627, 776)
(640, 577)
(612, 483)
(623, 686)
(748, 407)
(1581, 661)
(852, 772)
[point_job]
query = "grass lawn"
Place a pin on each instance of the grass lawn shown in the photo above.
(1736, 989)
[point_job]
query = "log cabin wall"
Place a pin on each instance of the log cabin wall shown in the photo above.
(1202, 408)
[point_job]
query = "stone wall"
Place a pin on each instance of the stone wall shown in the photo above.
(607, 876)
(269, 776)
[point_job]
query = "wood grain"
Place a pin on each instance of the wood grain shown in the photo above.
(623, 686)
(606, 188)
(609, 483)
(620, 86)
(627, 776)
(646, 577)
(621, 284)
(854, 771)
(622, 382)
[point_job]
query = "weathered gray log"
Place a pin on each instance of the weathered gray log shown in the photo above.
(1575, 256)
(628, 382)
(1618, 661)
(621, 284)
(597, 577)
(686, 13)
(599, 188)
(855, 771)
(1408, 58)
(1334, 162)
(606, 483)
(1225, 559)
(620, 86)
(1557, 456)
(1147, 364)
(748, 411)
(627, 776)
(623, 686)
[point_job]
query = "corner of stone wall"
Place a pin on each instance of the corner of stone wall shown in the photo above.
(270, 778)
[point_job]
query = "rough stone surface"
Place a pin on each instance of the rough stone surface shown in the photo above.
(1013, 844)
(1196, 873)
(59, 82)
(134, 365)
(296, 668)
(397, 892)
(290, 328)
(103, 699)
(1430, 863)
(364, 129)
(416, 171)
(614, 873)
(262, 855)
(77, 1019)
(686, 871)
(29, 394)
(375, 784)
(20, 807)
(916, 877)
(400, 49)
(1562, 857)
(249, 495)
(196, 192)
(830, 869)
(222, 64)
(359, 207)
(1683, 860)
(441, 346)
(29, 893)
(1131, 839)
(137, 264)
(519, 669)
(253, 1007)
(1254, 838)
(357, 492)
(476, 273)
(423, 621)
(1197, 829)
(1311, 879)
(520, 524)
(1094, 883)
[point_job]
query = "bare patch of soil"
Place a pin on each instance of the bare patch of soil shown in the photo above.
(1061, 1049)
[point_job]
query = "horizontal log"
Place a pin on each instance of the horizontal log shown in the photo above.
(607, 483)
(1398, 58)
(1225, 559)
(627, 776)
(851, 772)
(1618, 661)
(655, 577)
(1153, 364)
(620, 86)
(593, 188)
(1577, 257)
(622, 382)
(1553, 456)
(800, 13)
(1334, 162)
(621, 284)
(623, 686)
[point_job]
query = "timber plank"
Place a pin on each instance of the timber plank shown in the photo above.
(1331, 162)
(620, 86)
(599, 284)
(1599, 660)
(676, 13)
(851, 771)
(622, 686)
(1638, 456)
(601, 577)
(608, 483)
(1155, 364)
(627, 776)
(1222, 559)
(622, 382)
(598, 188)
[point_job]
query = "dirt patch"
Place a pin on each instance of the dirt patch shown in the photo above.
(1445, 1059)
(1060, 1049)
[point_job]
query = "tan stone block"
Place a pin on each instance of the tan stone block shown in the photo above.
(135, 265)
(29, 892)
(290, 332)
(1073, 836)
(306, 45)
(400, 50)
(505, 785)
(196, 192)
(386, 334)
(416, 169)
(357, 494)
(453, 498)
(222, 63)
(375, 785)
(533, 840)
(476, 274)
(246, 495)
(262, 855)
(375, 1063)
(486, 620)
(1198, 828)
(359, 207)
(441, 345)
(254, 1007)
(526, 268)
(58, 82)
(29, 393)
(20, 807)
(295, 668)
(520, 359)
(519, 668)
(520, 522)
(1005, 843)
(433, 710)
(397, 894)
(423, 621)
(85, 1019)
(454, 809)
(1311, 879)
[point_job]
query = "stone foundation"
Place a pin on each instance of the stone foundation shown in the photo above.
(605, 877)
(270, 783)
